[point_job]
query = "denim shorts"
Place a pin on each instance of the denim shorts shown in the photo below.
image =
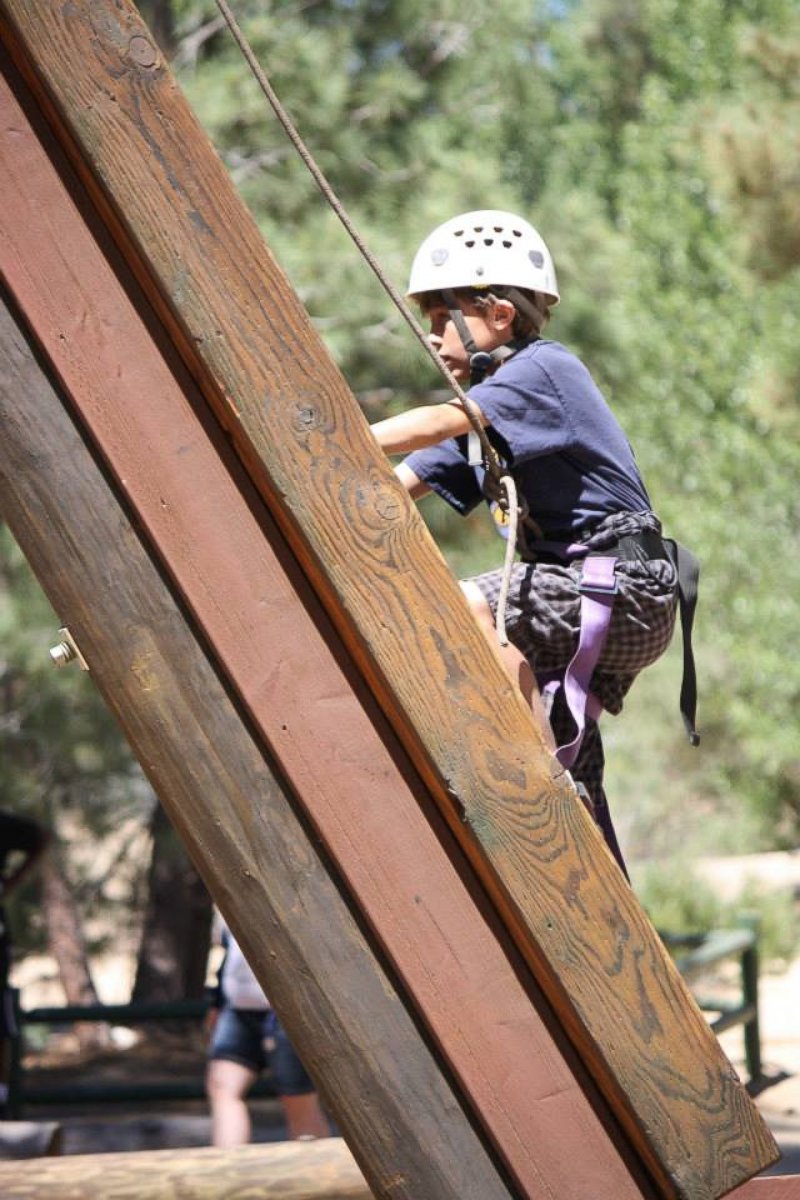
(257, 1040)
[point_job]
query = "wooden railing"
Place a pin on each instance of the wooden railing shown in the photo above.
(20, 1095)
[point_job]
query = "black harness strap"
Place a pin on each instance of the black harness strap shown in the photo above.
(687, 569)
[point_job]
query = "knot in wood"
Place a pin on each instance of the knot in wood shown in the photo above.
(306, 418)
(387, 503)
(142, 51)
(374, 497)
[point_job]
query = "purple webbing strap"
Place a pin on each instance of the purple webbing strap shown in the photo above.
(598, 588)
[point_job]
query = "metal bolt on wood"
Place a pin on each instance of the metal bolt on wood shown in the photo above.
(67, 651)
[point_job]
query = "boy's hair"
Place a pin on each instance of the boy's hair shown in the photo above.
(532, 308)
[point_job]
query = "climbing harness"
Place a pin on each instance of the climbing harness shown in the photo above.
(598, 588)
(501, 481)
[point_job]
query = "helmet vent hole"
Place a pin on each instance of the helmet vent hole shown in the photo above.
(516, 233)
(470, 244)
(458, 233)
(478, 228)
(507, 244)
(488, 241)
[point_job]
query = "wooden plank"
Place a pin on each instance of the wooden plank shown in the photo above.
(769, 1187)
(322, 1170)
(402, 1118)
(282, 656)
(298, 429)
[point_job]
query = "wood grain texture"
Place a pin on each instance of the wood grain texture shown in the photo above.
(401, 1116)
(323, 1170)
(283, 659)
(307, 447)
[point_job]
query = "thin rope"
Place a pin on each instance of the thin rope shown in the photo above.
(493, 466)
(329, 194)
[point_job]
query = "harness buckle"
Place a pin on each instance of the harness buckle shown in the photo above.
(598, 575)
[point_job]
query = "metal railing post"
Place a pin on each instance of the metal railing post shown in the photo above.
(750, 969)
(14, 1081)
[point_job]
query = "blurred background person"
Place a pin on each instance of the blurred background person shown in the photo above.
(246, 1039)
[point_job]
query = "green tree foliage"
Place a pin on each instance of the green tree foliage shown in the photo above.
(401, 105)
(754, 146)
(696, 345)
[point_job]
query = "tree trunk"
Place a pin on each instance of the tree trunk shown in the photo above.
(67, 944)
(177, 927)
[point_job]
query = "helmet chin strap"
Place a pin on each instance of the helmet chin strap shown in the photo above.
(481, 362)
(498, 479)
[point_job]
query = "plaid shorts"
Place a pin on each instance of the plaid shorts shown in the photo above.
(543, 621)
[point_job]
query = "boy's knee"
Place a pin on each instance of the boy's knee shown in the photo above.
(479, 605)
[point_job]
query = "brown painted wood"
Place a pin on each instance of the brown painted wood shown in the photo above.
(401, 1116)
(769, 1187)
(339, 755)
(297, 427)
(323, 1170)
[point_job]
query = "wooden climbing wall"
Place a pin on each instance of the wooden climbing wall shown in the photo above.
(567, 1055)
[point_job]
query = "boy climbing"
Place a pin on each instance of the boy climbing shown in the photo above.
(593, 597)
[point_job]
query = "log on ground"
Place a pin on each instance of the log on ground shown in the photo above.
(320, 1170)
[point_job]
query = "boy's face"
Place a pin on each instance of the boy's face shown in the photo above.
(490, 327)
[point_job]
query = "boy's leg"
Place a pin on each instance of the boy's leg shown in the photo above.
(587, 770)
(513, 660)
(589, 766)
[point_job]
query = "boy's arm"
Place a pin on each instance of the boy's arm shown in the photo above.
(423, 426)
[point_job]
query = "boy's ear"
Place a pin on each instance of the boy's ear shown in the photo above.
(503, 315)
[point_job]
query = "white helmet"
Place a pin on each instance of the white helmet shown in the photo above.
(478, 249)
